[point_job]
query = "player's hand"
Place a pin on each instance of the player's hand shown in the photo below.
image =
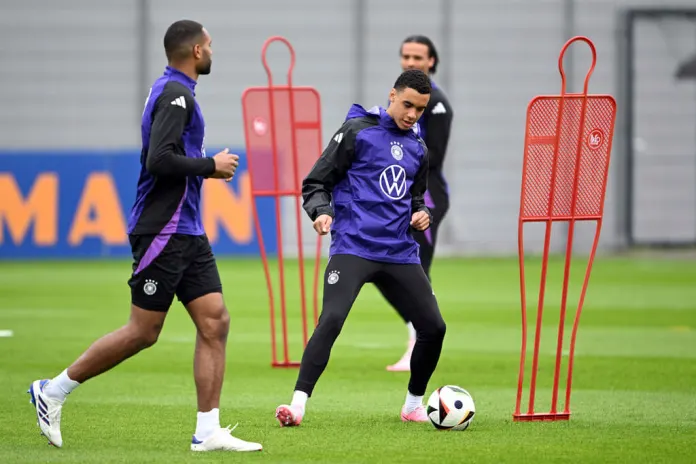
(420, 220)
(322, 224)
(225, 165)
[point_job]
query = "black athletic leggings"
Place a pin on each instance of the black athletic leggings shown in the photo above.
(406, 285)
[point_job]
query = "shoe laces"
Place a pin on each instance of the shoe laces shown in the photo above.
(232, 439)
(230, 430)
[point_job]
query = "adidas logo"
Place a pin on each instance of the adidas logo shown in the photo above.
(338, 138)
(181, 101)
(439, 108)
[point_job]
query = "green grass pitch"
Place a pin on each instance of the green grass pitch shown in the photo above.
(634, 385)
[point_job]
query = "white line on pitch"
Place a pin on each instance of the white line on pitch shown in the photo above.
(6, 333)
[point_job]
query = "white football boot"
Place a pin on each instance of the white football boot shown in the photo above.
(222, 440)
(47, 412)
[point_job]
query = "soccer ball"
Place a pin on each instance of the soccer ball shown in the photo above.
(451, 408)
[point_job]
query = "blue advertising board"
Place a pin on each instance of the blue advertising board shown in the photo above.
(76, 204)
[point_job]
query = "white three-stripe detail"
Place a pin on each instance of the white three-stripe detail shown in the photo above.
(181, 101)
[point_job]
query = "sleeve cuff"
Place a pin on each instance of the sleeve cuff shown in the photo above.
(323, 210)
(211, 170)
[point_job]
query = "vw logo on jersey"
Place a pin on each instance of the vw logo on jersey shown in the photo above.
(392, 181)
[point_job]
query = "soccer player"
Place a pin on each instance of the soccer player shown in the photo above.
(418, 52)
(171, 253)
(368, 189)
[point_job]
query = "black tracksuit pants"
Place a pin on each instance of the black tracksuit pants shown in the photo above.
(407, 287)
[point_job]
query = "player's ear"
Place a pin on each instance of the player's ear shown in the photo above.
(197, 51)
(392, 95)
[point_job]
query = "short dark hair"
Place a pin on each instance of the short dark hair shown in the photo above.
(432, 52)
(179, 36)
(413, 79)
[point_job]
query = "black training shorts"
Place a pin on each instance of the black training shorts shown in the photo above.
(168, 265)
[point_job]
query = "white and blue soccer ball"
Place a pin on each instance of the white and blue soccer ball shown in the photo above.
(451, 408)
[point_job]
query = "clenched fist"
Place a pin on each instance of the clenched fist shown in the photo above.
(225, 165)
(420, 220)
(322, 224)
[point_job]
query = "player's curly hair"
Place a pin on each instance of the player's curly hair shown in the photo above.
(413, 79)
(432, 51)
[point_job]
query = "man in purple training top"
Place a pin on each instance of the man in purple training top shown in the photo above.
(368, 189)
(171, 252)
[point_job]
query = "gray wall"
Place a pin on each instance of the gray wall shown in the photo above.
(665, 133)
(78, 75)
(68, 76)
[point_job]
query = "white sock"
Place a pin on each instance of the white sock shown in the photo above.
(207, 423)
(411, 332)
(60, 386)
(412, 402)
(299, 398)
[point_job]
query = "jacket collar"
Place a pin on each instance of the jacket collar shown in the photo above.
(180, 77)
(386, 121)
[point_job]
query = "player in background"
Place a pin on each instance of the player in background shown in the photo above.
(418, 52)
(368, 189)
(171, 253)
